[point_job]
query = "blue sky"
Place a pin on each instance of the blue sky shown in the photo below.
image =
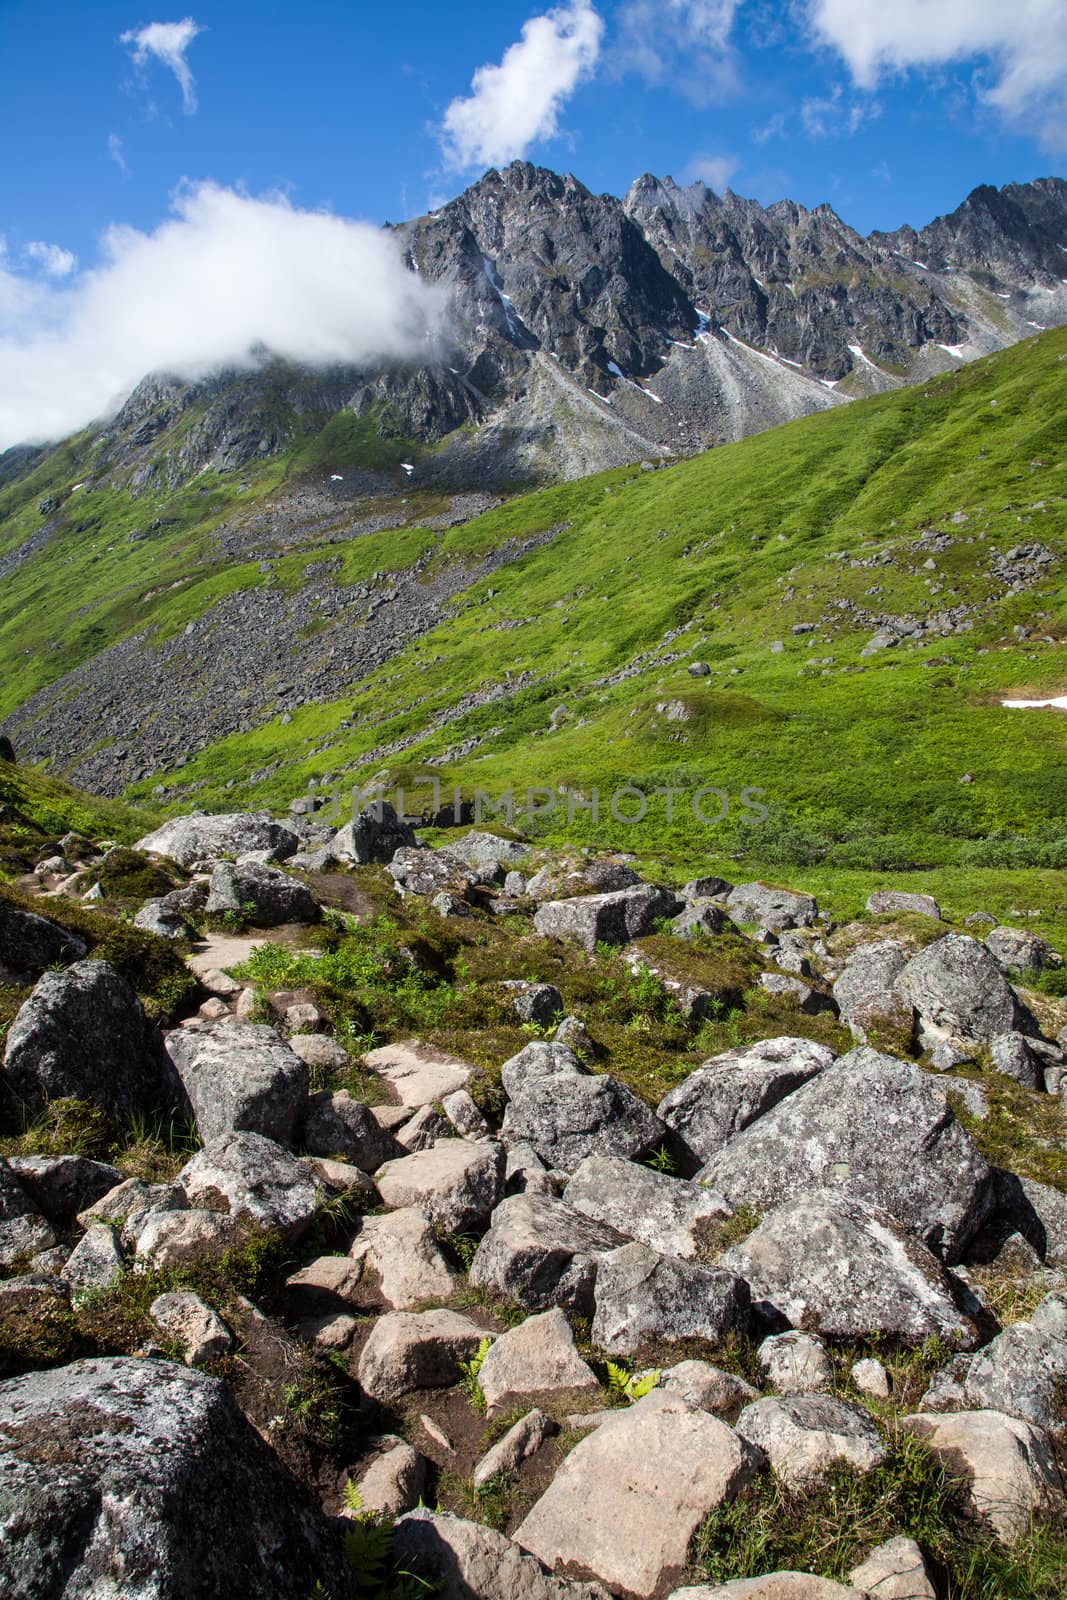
(891, 110)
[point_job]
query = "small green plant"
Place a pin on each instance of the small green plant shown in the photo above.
(624, 1385)
(662, 1161)
(469, 1371)
(368, 1544)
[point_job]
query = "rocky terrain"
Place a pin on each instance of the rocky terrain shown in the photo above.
(495, 1222)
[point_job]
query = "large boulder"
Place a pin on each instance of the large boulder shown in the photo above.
(643, 1298)
(614, 1511)
(375, 834)
(260, 895)
(956, 985)
(422, 872)
(402, 1249)
(541, 1058)
(30, 944)
(894, 900)
(874, 1129)
(731, 1090)
(614, 918)
(188, 840)
(1023, 1371)
(538, 1357)
(771, 909)
(83, 1033)
(667, 1214)
(1019, 950)
(240, 1076)
(457, 1181)
(541, 1253)
(804, 1435)
(410, 1350)
(486, 851)
(461, 1559)
(63, 1186)
(142, 1479)
(253, 1180)
(566, 1118)
(1008, 1468)
(866, 992)
(337, 1125)
(569, 880)
(844, 1268)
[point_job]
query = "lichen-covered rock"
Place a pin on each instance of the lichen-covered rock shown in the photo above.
(83, 1033)
(142, 1479)
(337, 1125)
(566, 1118)
(838, 1266)
(873, 1129)
(670, 1215)
(540, 1253)
(430, 872)
(96, 1260)
(166, 922)
(29, 944)
(772, 909)
(541, 1058)
(866, 992)
(240, 1076)
(890, 900)
(164, 1239)
(895, 1570)
(375, 834)
(724, 1394)
(772, 1586)
(540, 1003)
(645, 1298)
(731, 1090)
(1018, 950)
(191, 1323)
(260, 895)
(62, 1186)
(614, 918)
(1023, 1371)
(255, 1181)
(957, 985)
(804, 1435)
(187, 840)
(796, 1363)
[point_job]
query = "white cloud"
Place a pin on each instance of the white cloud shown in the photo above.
(518, 102)
(683, 43)
(715, 171)
(1026, 41)
(226, 274)
(832, 116)
(116, 152)
(167, 42)
(53, 260)
(775, 129)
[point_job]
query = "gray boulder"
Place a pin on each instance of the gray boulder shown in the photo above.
(62, 1186)
(541, 1058)
(240, 1076)
(700, 918)
(644, 1298)
(1023, 1371)
(567, 1118)
(373, 835)
(1036, 1212)
(253, 1180)
(337, 1125)
(457, 1181)
(795, 1363)
(83, 1033)
(808, 1000)
(540, 1253)
(670, 1215)
(487, 851)
(1017, 950)
(866, 992)
(732, 1090)
(461, 1559)
(416, 1350)
(187, 840)
(540, 1003)
(709, 888)
(844, 1268)
(773, 909)
(1013, 1055)
(23, 1230)
(1007, 1468)
(96, 1260)
(429, 872)
(565, 880)
(957, 985)
(873, 1129)
(261, 895)
(30, 944)
(162, 920)
(143, 1479)
(803, 1436)
(889, 900)
(613, 918)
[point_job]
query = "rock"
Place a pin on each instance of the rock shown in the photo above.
(880, 641)
(1016, 950)
(724, 1394)
(539, 1003)
(402, 1249)
(166, 1239)
(261, 896)
(709, 888)
(518, 1444)
(956, 985)
(732, 1090)
(63, 1186)
(1011, 1054)
(96, 1260)
(254, 1180)
(1038, 1212)
(303, 1019)
(487, 851)
(450, 905)
(611, 1510)
(566, 1118)
(372, 835)
(240, 1076)
(130, 1196)
(870, 1378)
(515, 885)
(410, 1350)
(422, 1131)
(541, 1058)
(184, 1317)
(142, 1478)
(804, 1435)
(570, 880)
(23, 1231)
(538, 1357)
(775, 909)
(890, 900)
(614, 918)
(319, 1053)
(866, 990)
(188, 840)
(457, 1181)
(643, 1298)
(540, 1253)
(836, 1265)
(29, 944)
(573, 1033)
(418, 1073)
(463, 1559)
(796, 1363)
(214, 1010)
(807, 999)
(83, 1033)
(1023, 1371)
(896, 1570)
(771, 1586)
(162, 920)
(873, 1129)
(395, 1481)
(337, 1125)
(429, 872)
(1008, 1467)
(463, 1114)
(700, 918)
(668, 1214)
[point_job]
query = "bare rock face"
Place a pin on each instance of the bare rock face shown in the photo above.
(670, 1215)
(873, 1129)
(29, 944)
(207, 838)
(731, 1090)
(240, 1076)
(83, 1033)
(837, 1266)
(613, 1511)
(461, 1559)
(804, 1435)
(1009, 1466)
(142, 1478)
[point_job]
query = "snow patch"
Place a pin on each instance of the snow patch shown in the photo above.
(1057, 704)
(405, 466)
(335, 477)
(954, 350)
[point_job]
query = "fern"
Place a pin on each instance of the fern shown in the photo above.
(626, 1386)
(469, 1371)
